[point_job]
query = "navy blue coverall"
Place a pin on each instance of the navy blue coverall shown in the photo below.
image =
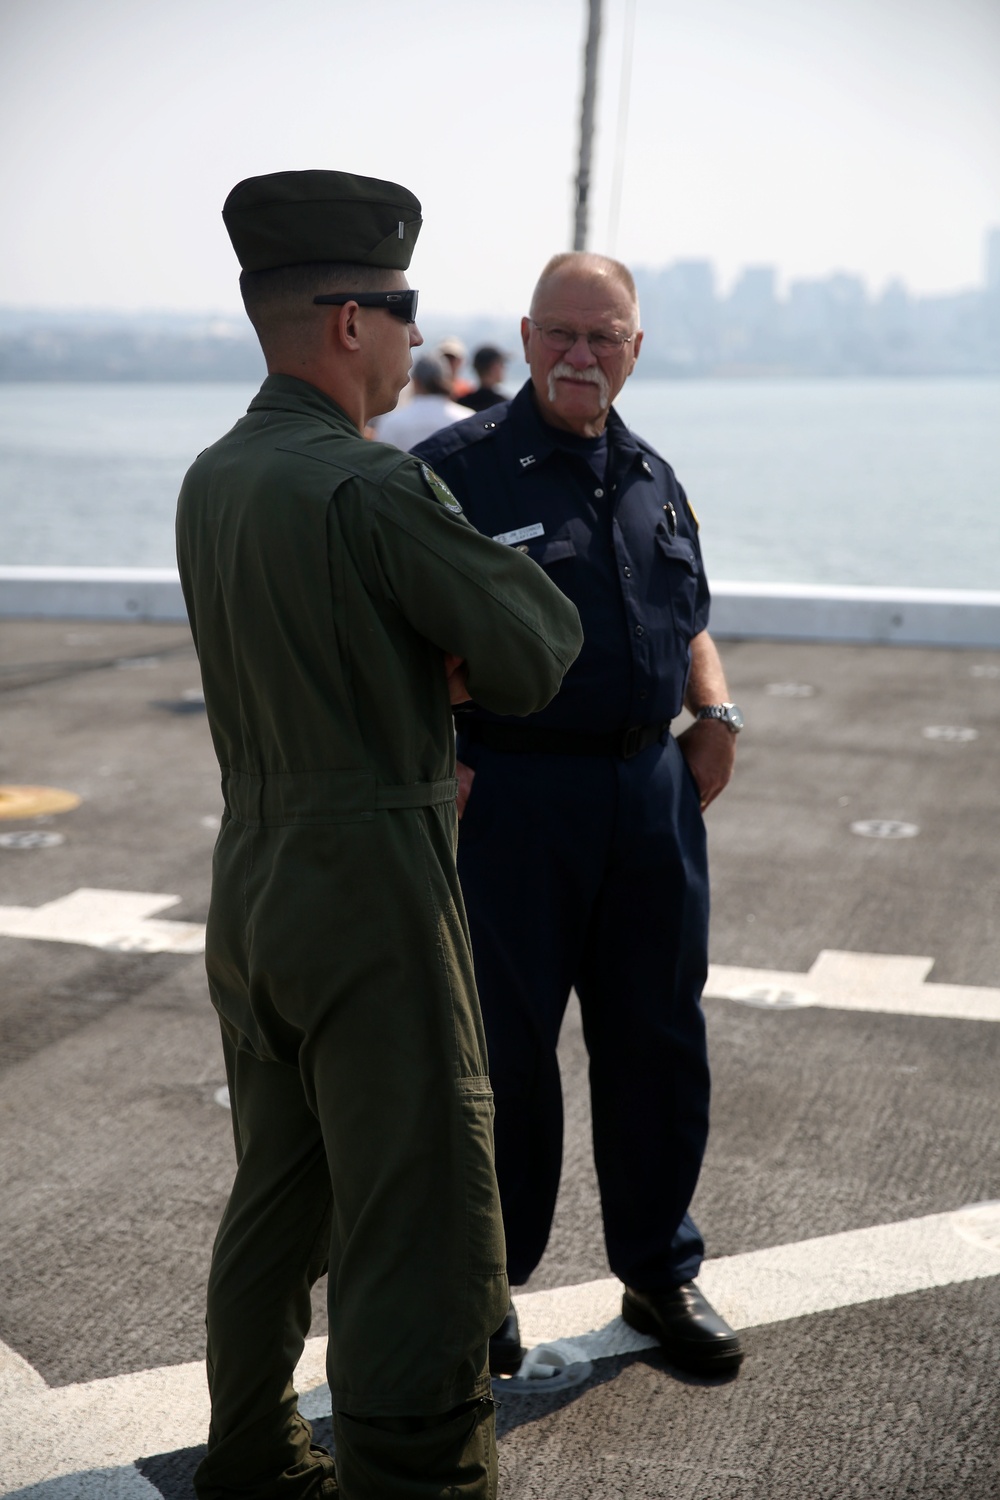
(582, 848)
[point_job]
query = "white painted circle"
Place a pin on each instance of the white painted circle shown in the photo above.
(953, 733)
(770, 997)
(221, 1096)
(984, 669)
(193, 695)
(979, 1223)
(885, 828)
(789, 690)
(30, 839)
(209, 822)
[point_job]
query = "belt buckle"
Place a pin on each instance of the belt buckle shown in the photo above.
(632, 741)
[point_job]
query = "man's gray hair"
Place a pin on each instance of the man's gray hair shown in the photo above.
(586, 260)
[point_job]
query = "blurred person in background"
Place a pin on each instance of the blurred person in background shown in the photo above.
(453, 350)
(429, 408)
(490, 365)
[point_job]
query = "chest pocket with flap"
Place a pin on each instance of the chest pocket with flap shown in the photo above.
(677, 556)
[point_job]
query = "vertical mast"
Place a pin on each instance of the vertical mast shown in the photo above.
(621, 134)
(587, 124)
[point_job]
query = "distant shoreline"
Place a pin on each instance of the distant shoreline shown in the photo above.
(648, 372)
(834, 332)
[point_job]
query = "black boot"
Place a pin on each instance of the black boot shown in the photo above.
(506, 1352)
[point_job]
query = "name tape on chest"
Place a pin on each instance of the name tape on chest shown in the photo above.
(522, 534)
(439, 490)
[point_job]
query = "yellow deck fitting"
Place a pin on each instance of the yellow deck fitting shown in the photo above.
(35, 801)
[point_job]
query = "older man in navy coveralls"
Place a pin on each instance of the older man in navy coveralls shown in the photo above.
(582, 848)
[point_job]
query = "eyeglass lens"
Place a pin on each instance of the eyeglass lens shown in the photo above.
(561, 340)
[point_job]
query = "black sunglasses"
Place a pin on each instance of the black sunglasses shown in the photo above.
(400, 304)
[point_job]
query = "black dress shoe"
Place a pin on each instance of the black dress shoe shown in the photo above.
(506, 1352)
(693, 1336)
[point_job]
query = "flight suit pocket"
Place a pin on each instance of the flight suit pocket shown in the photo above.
(485, 1247)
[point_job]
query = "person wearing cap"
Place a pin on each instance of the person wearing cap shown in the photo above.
(490, 365)
(453, 350)
(582, 852)
(340, 602)
(429, 408)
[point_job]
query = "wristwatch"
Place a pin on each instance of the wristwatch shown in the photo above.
(726, 713)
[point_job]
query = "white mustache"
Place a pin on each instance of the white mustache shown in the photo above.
(593, 375)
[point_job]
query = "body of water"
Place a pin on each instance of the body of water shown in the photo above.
(885, 482)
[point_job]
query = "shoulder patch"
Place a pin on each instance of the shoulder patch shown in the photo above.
(439, 490)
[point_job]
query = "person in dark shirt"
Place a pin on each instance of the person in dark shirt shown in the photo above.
(582, 850)
(490, 365)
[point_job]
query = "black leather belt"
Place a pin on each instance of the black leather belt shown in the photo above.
(526, 739)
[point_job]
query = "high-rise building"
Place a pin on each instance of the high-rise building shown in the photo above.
(754, 295)
(993, 259)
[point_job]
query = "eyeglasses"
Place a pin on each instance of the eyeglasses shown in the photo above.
(561, 340)
(400, 304)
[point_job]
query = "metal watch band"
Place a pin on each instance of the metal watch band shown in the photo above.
(726, 713)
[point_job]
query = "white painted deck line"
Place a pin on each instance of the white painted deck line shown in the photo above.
(123, 922)
(788, 1281)
(889, 983)
(746, 611)
(88, 1436)
(17, 1377)
(120, 921)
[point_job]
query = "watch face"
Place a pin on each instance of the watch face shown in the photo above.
(734, 716)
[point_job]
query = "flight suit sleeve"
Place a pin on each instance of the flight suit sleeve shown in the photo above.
(471, 596)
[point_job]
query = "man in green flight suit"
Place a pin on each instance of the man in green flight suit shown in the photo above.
(340, 602)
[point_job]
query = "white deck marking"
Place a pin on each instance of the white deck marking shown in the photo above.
(889, 983)
(788, 1281)
(17, 1377)
(123, 922)
(88, 1436)
(115, 920)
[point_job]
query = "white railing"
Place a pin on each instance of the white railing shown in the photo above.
(749, 611)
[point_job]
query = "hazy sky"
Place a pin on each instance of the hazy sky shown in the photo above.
(814, 135)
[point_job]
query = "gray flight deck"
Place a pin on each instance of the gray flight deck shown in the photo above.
(849, 1198)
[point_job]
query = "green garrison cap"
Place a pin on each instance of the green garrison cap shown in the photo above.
(291, 218)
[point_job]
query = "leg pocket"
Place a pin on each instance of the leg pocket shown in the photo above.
(485, 1249)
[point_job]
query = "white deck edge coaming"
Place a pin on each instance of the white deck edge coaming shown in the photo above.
(966, 618)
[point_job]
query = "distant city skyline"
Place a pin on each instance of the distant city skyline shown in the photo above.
(782, 284)
(825, 325)
(748, 283)
(838, 135)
